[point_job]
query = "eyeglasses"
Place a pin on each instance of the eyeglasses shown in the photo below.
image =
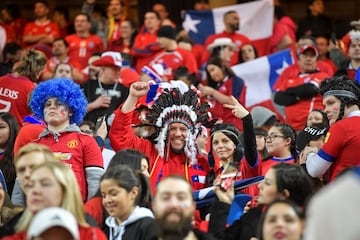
(272, 137)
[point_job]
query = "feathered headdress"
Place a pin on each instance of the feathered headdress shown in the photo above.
(173, 106)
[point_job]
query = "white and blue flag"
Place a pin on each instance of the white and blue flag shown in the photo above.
(256, 20)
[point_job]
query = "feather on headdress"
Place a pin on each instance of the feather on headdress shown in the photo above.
(173, 106)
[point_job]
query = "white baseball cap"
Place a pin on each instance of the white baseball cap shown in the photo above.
(53, 217)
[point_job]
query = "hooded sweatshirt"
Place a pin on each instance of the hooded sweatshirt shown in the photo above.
(139, 225)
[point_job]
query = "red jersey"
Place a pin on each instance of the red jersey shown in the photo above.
(48, 28)
(78, 151)
(145, 48)
(294, 70)
(234, 86)
(122, 136)
(81, 49)
(14, 92)
(303, 107)
(341, 145)
(267, 164)
(172, 60)
(18, 25)
(237, 38)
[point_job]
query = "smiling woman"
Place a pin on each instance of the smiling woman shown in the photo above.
(122, 192)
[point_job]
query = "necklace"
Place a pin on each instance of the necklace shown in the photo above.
(108, 92)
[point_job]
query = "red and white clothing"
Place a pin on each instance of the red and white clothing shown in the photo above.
(294, 70)
(250, 165)
(340, 150)
(231, 86)
(82, 49)
(296, 114)
(237, 38)
(36, 28)
(122, 136)
(81, 153)
(145, 48)
(284, 27)
(14, 92)
(172, 60)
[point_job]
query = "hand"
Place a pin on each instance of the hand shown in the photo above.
(139, 89)
(247, 206)
(90, 1)
(102, 101)
(206, 90)
(102, 130)
(305, 152)
(237, 109)
(224, 196)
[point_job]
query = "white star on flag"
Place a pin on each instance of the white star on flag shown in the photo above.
(284, 65)
(189, 24)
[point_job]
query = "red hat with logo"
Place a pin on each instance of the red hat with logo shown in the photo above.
(110, 59)
(308, 47)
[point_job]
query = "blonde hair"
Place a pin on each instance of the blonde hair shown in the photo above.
(35, 147)
(31, 64)
(71, 201)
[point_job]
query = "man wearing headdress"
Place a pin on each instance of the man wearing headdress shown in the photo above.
(171, 149)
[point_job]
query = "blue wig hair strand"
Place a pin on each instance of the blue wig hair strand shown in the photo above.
(66, 91)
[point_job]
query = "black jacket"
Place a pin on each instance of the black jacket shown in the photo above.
(243, 228)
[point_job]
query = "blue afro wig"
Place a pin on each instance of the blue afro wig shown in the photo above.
(66, 91)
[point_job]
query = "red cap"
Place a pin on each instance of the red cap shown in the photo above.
(109, 59)
(307, 47)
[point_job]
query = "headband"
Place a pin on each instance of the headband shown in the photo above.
(340, 93)
(226, 131)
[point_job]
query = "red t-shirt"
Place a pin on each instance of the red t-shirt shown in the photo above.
(232, 86)
(145, 48)
(172, 60)
(35, 28)
(342, 145)
(14, 92)
(296, 114)
(78, 151)
(81, 49)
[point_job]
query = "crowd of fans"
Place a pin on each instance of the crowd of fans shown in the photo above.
(107, 128)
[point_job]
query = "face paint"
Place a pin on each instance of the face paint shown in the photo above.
(185, 205)
(63, 111)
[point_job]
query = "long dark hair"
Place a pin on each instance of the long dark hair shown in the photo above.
(226, 70)
(127, 178)
(7, 163)
(289, 132)
(294, 179)
(231, 132)
(241, 59)
(129, 157)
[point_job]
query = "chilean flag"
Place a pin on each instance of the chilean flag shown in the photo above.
(260, 75)
(256, 22)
